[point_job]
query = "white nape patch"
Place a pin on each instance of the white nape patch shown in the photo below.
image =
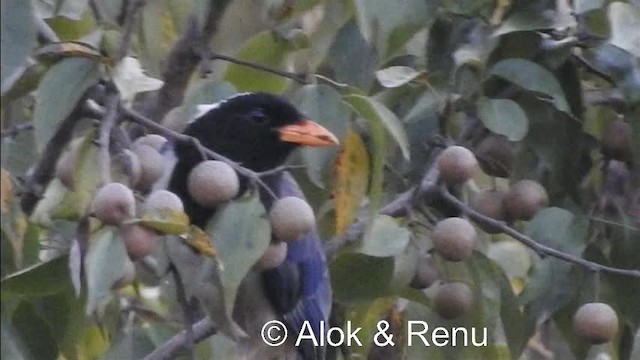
(202, 109)
(170, 163)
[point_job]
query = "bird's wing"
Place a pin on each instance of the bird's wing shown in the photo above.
(299, 288)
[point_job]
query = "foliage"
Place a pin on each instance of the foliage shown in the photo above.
(395, 81)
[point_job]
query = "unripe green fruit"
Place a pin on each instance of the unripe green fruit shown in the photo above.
(454, 239)
(127, 277)
(163, 199)
(212, 182)
(453, 300)
(490, 204)
(596, 323)
(113, 204)
(426, 273)
(456, 164)
(616, 141)
(154, 140)
(140, 241)
(152, 165)
(291, 218)
(524, 199)
(496, 156)
(273, 256)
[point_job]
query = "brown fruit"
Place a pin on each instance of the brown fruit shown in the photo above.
(154, 140)
(454, 238)
(113, 204)
(140, 241)
(456, 164)
(426, 273)
(490, 204)
(496, 156)
(152, 165)
(212, 182)
(127, 277)
(291, 218)
(524, 199)
(616, 141)
(453, 300)
(163, 199)
(596, 323)
(273, 256)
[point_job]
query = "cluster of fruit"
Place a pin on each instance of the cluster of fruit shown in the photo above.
(210, 183)
(454, 239)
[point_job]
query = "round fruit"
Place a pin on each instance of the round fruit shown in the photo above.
(616, 141)
(456, 164)
(163, 199)
(212, 182)
(152, 165)
(140, 241)
(524, 199)
(454, 238)
(490, 204)
(273, 256)
(596, 323)
(154, 140)
(65, 168)
(127, 277)
(496, 156)
(291, 218)
(453, 300)
(113, 204)
(426, 273)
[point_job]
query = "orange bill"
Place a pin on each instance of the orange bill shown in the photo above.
(307, 133)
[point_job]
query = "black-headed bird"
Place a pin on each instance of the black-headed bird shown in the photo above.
(259, 131)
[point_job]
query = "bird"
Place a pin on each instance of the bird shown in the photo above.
(259, 131)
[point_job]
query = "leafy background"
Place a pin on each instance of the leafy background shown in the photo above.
(394, 80)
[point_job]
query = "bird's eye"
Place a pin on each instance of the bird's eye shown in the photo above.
(258, 116)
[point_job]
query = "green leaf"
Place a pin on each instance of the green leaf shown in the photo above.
(527, 20)
(373, 111)
(241, 233)
(352, 58)
(131, 344)
(59, 92)
(18, 38)
(12, 346)
(265, 49)
(625, 27)
(323, 105)
(395, 76)
(504, 117)
(104, 265)
(532, 76)
(27, 322)
(385, 238)
(351, 180)
(38, 280)
(359, 277)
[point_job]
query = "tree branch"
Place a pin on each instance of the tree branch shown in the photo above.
(16, 129)
(169, 350)
(183, 59)
(300, 78)
(539, 248)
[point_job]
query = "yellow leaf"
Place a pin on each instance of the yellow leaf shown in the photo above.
(199, 240)
(165, 220)
(5, 191)
(352, 177)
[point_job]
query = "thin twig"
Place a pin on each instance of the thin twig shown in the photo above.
(16, 129)
(96, 8)
(187, 310)
(170, 349)
(300, 78)
(539, 248)
(106, 126)
(129, 26)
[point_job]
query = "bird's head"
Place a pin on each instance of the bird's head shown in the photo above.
(258, 130)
